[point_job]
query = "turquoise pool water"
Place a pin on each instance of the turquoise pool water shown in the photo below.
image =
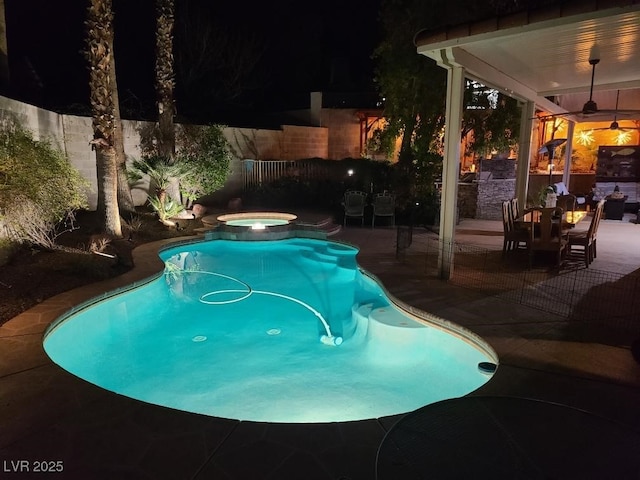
(275, 331)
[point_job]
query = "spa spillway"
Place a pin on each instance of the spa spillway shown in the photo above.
(257, 220)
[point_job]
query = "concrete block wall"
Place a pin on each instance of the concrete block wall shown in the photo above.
(344, 127)
(43, 124)
(338, 139)
(78, 132)
(305, 142)
(131, 139)
(257, 144)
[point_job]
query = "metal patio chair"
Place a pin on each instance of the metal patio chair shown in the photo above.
(353, 203)
(384, 205)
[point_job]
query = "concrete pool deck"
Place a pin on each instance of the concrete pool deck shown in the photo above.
(49, 415)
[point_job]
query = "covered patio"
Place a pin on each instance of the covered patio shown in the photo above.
(546, 58)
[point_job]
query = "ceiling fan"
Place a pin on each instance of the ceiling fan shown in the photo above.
(615, 125)
(590, 108)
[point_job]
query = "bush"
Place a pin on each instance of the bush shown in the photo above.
(202, 158)
(39, 188)
(206, 155)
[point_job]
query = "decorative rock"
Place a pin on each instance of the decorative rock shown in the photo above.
(198, 210)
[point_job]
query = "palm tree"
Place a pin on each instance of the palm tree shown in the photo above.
(165, 80)
(99, 53)
(125, 199)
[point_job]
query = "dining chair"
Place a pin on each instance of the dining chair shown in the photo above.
(353, 203)
(600, 212)
(383, 206)
(586, 238)
(514, 237)
(567, 202)
(546, 233)
(515, 209)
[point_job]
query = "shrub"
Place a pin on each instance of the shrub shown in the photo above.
(161, 173)
(205, 153)
(39, 188)
(202, 158)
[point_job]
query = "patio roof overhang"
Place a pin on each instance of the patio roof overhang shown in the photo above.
(540, 57)
(543, 55)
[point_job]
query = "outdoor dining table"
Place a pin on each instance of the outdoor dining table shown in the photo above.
(570, 218)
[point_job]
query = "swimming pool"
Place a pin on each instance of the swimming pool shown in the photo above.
(275, 331)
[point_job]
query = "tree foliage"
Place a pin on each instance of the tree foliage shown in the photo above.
(414, 90)
(494, 119)
(215, 63)
(161, 172)
(412, 86)
(206, 154)
(202, 158)
(165, 81)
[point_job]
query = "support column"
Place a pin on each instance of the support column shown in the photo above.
(450, 167)
(525, 145)
(568, 152)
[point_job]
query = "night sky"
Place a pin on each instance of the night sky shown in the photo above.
(304, 47)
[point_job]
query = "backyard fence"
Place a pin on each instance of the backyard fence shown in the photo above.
(575, 293)
(259, 172)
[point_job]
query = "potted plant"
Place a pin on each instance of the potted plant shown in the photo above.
(548, 196)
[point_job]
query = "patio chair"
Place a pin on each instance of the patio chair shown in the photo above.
(579, 201)
(567, 202)
(353, 203)
(587, 239)
(384, 205)
(514, 236)
(515, 209)
(546, 234)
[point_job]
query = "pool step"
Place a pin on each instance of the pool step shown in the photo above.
(390, 331)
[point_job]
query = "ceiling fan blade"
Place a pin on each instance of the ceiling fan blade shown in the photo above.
(618, 129)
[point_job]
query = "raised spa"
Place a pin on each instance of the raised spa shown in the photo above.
(256, 220)
(274, 331)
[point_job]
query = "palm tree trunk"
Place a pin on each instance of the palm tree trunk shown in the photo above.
(125, 199)
(99, 53)
(165, 78)
(108, 178)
